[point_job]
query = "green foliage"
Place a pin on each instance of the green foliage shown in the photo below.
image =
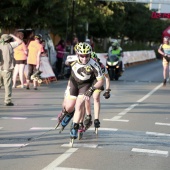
(106, 19)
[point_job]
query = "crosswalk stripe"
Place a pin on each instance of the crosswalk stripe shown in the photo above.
(12, 145)
(19, 118)
(152, 152)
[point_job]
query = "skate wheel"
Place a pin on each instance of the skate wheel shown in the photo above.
(57, 125)
(39, 81)
(71, 142)
(32, 77)
(96, 131)
(80, 135)
(62, 128)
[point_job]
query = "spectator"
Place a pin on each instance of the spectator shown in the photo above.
(35, 49)
(45, 52)
(7, 64)
(60, 48)
(20, 55)
(92, 43)
(75, 41)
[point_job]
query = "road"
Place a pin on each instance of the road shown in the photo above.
(134, 132)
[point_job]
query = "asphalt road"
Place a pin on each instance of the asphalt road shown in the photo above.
(134, 132)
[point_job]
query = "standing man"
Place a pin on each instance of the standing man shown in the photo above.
(35, 49)
(7, 64)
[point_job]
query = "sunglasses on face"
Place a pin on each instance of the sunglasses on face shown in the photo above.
(84, 56)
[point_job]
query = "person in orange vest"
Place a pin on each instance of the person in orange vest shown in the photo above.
(35, 49)
(20, 55)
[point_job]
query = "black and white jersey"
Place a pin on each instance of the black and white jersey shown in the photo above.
(84, 73)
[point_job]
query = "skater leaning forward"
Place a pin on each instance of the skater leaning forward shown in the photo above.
(80, 86)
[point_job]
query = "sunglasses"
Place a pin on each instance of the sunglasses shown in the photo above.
(84, 56)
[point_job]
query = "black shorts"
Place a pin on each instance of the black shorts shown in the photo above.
(73, 89)
(20, 61)
(31, 70)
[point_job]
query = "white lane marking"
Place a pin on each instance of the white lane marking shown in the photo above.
(12, 145)
(150, 93)
(152, 152)
(80, 145)
(20, 118)
(107, 129)
(128, 109)
(125, 111)
(163, 124)
(64, 168)
(157, 134)
(114, 119)
(41, 128)
(60, 159)
(54, 119)
(1, 127)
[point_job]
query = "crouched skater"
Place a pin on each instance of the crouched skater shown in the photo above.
(84, 71)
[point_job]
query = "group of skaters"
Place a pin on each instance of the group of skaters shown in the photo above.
(86, 80)
(14, 56)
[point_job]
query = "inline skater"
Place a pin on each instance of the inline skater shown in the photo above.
(80, 87)
(164, 50)
(96, 98)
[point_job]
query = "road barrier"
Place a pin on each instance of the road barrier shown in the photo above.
(132, 57)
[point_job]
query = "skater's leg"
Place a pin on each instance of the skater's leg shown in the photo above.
(96, 97)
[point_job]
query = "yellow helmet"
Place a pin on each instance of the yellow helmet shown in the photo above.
(83, 48)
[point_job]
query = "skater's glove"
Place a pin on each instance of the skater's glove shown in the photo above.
(90, 91)
(166, 57)
(107, 93)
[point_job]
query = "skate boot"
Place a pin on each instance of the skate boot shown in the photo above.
(36, 76)
(87, 122)
(60, 117)
(65, 121)
(73, 132)
(80, 131)
(96, 125)
(164, 82)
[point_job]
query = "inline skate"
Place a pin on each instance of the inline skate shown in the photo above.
(96, 125)
(80, 131)
(87, 122)
(73, 133)
(36, 76)
(60, 117)
(65, 121)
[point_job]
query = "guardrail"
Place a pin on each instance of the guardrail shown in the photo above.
(132, 57)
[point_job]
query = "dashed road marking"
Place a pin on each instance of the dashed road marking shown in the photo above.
(17, 118)
(157, 134)
(60, 159)
(80, 145)
(54, 119)
(107, 129)
(64, 168)
(163, 124)
(125, 111)
(12, 145)
(151, 152)
(41, 128)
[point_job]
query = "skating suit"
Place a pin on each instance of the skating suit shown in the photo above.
(82, 75)
(166, 49)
